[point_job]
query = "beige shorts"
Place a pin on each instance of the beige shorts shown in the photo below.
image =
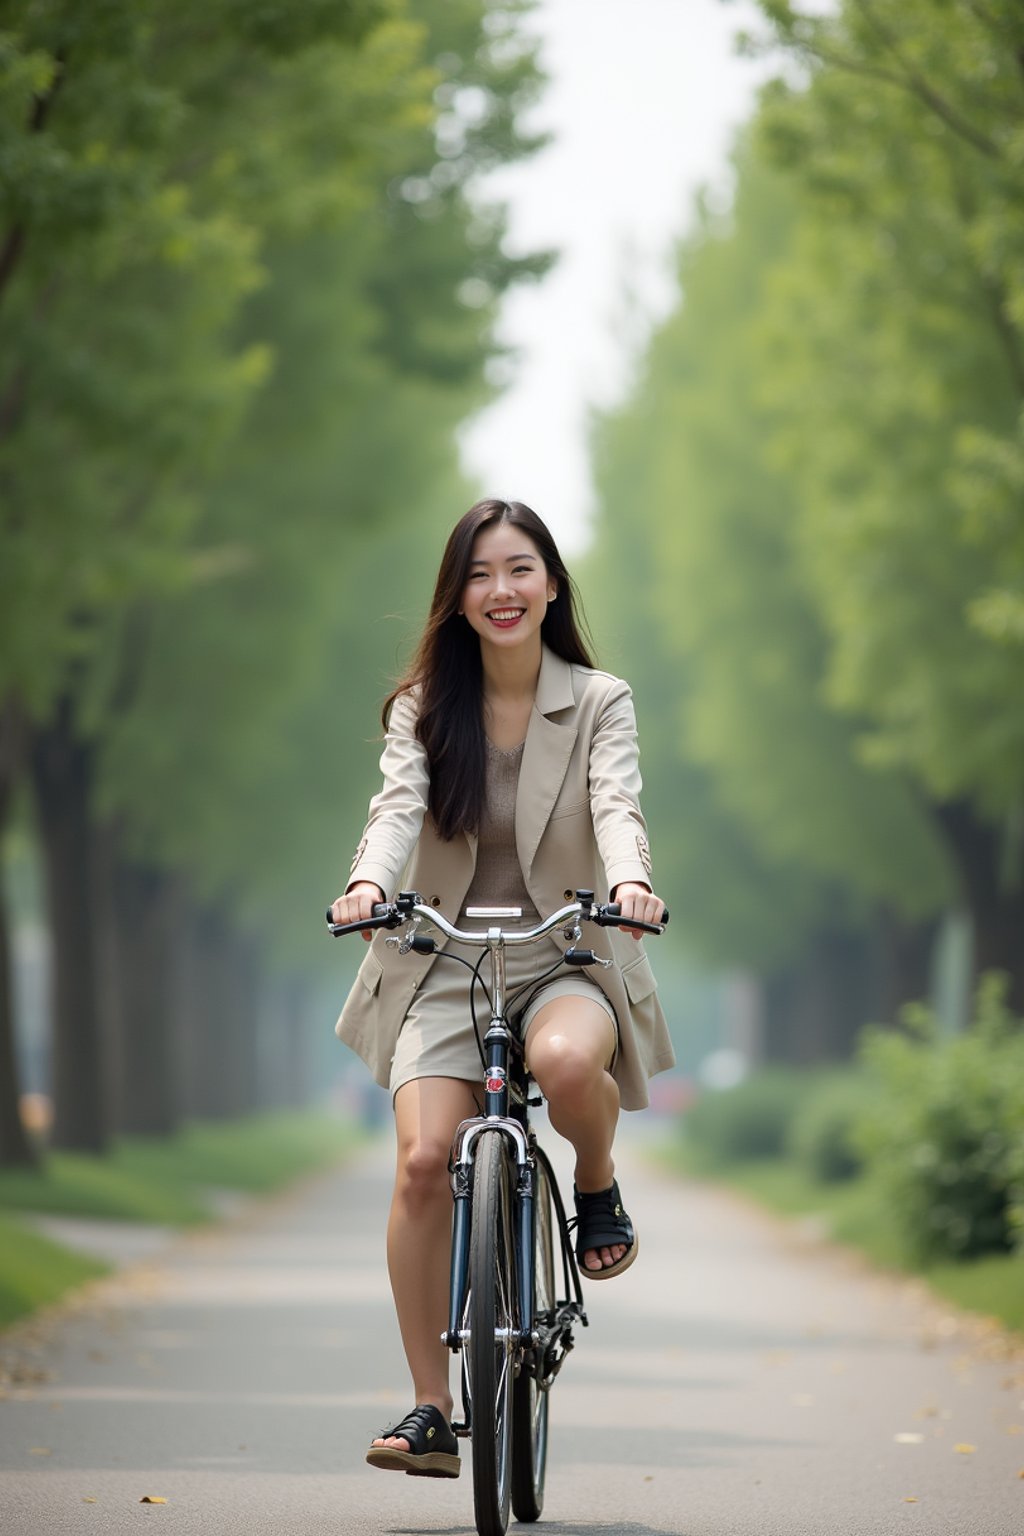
(437, 1038)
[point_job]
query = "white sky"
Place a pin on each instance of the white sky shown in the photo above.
(643, 99)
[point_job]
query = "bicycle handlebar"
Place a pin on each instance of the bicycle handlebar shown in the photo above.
(409, 904)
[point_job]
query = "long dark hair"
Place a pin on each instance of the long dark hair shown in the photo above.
(448, 669)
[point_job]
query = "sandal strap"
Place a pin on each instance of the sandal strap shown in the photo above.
(426, 1429)
(600, 1220)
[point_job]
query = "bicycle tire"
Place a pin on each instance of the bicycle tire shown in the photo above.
(530, 1398)
(490, 1325)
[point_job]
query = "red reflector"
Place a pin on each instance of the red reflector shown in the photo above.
(494, 1084)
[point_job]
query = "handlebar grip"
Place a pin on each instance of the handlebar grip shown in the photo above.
(613, 909)
(383, 916)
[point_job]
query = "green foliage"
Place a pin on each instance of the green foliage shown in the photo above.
(898, 332)
(822, 1135)
(249, 300)
(944, 1138)
(826, 442)
(778, 824)
(750, 1121)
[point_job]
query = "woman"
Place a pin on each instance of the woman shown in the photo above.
(510, 778)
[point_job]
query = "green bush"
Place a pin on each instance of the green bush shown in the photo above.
(822, 1136)
(945, 1136)
(750, 1121)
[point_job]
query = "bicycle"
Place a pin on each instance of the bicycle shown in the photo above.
(505, 1318)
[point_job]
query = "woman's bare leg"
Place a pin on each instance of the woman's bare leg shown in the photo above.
(569, 1047)
(427, 1113)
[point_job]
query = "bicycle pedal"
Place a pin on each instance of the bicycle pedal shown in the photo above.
(460, 1430)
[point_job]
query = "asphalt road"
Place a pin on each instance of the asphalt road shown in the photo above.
(741, 1378)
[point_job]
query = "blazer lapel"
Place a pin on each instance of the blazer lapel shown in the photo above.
(546, 755)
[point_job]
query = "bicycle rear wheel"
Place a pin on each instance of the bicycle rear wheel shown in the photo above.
(491, 1327)
(529, 1396)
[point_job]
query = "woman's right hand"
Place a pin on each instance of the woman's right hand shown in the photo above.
(357, 905)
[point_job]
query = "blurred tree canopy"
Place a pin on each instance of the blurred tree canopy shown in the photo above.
(245, 298)
(825, 447)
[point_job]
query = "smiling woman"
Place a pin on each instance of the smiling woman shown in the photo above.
(510, 778)
(508, 587)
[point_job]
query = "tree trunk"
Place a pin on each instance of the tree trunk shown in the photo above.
(146, 1096)
(284, 1065)
(242, 1010)
(994, 897)
(815, 1008)
(905, 953)
(222, 1055)
(16, 1148)
(61, 773)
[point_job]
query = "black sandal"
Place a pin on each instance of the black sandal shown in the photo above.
(433, 1449)
(602, 1223)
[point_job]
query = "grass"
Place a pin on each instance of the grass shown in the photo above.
(165, 1181)
(34, 1271)
(854, 1214)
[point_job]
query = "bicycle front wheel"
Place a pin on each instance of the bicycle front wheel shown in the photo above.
(491, 1327)
(529, 1395)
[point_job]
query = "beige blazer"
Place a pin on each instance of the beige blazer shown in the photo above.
(578, 826)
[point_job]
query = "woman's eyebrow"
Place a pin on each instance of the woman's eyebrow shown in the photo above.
(510, 560)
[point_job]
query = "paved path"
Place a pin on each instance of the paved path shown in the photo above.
(740, 1379)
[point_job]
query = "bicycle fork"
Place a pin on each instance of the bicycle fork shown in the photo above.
(523, 1218)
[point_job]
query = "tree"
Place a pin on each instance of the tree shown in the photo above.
(210, 335)
(832, 860)
(898, 331)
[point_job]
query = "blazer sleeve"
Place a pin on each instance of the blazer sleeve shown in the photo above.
(615, 784)
(397, 811)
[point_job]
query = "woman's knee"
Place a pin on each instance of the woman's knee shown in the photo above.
(567, 1067)
(422, 1172)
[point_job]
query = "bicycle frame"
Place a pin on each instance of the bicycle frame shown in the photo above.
(496, 1117)
(506, 1104)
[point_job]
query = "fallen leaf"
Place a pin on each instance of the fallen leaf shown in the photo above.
(40, 1450)
(651, 1479)
(152, 1498)
(910, 1498)
(88, 1499)
(909, 1439)
(802, 1400)
(1015, 1429)
(962, 1449)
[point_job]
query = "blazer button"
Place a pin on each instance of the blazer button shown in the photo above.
(435, 901)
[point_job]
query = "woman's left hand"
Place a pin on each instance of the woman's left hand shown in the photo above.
(640, 902)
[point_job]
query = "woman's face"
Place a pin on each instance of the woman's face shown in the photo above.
(508, 588)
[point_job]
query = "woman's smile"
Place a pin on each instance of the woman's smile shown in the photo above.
(506, 618)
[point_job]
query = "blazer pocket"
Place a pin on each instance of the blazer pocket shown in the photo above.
(639, 979)
(572, 809)
(370, 973)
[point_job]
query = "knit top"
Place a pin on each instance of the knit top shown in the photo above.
(498, 878)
